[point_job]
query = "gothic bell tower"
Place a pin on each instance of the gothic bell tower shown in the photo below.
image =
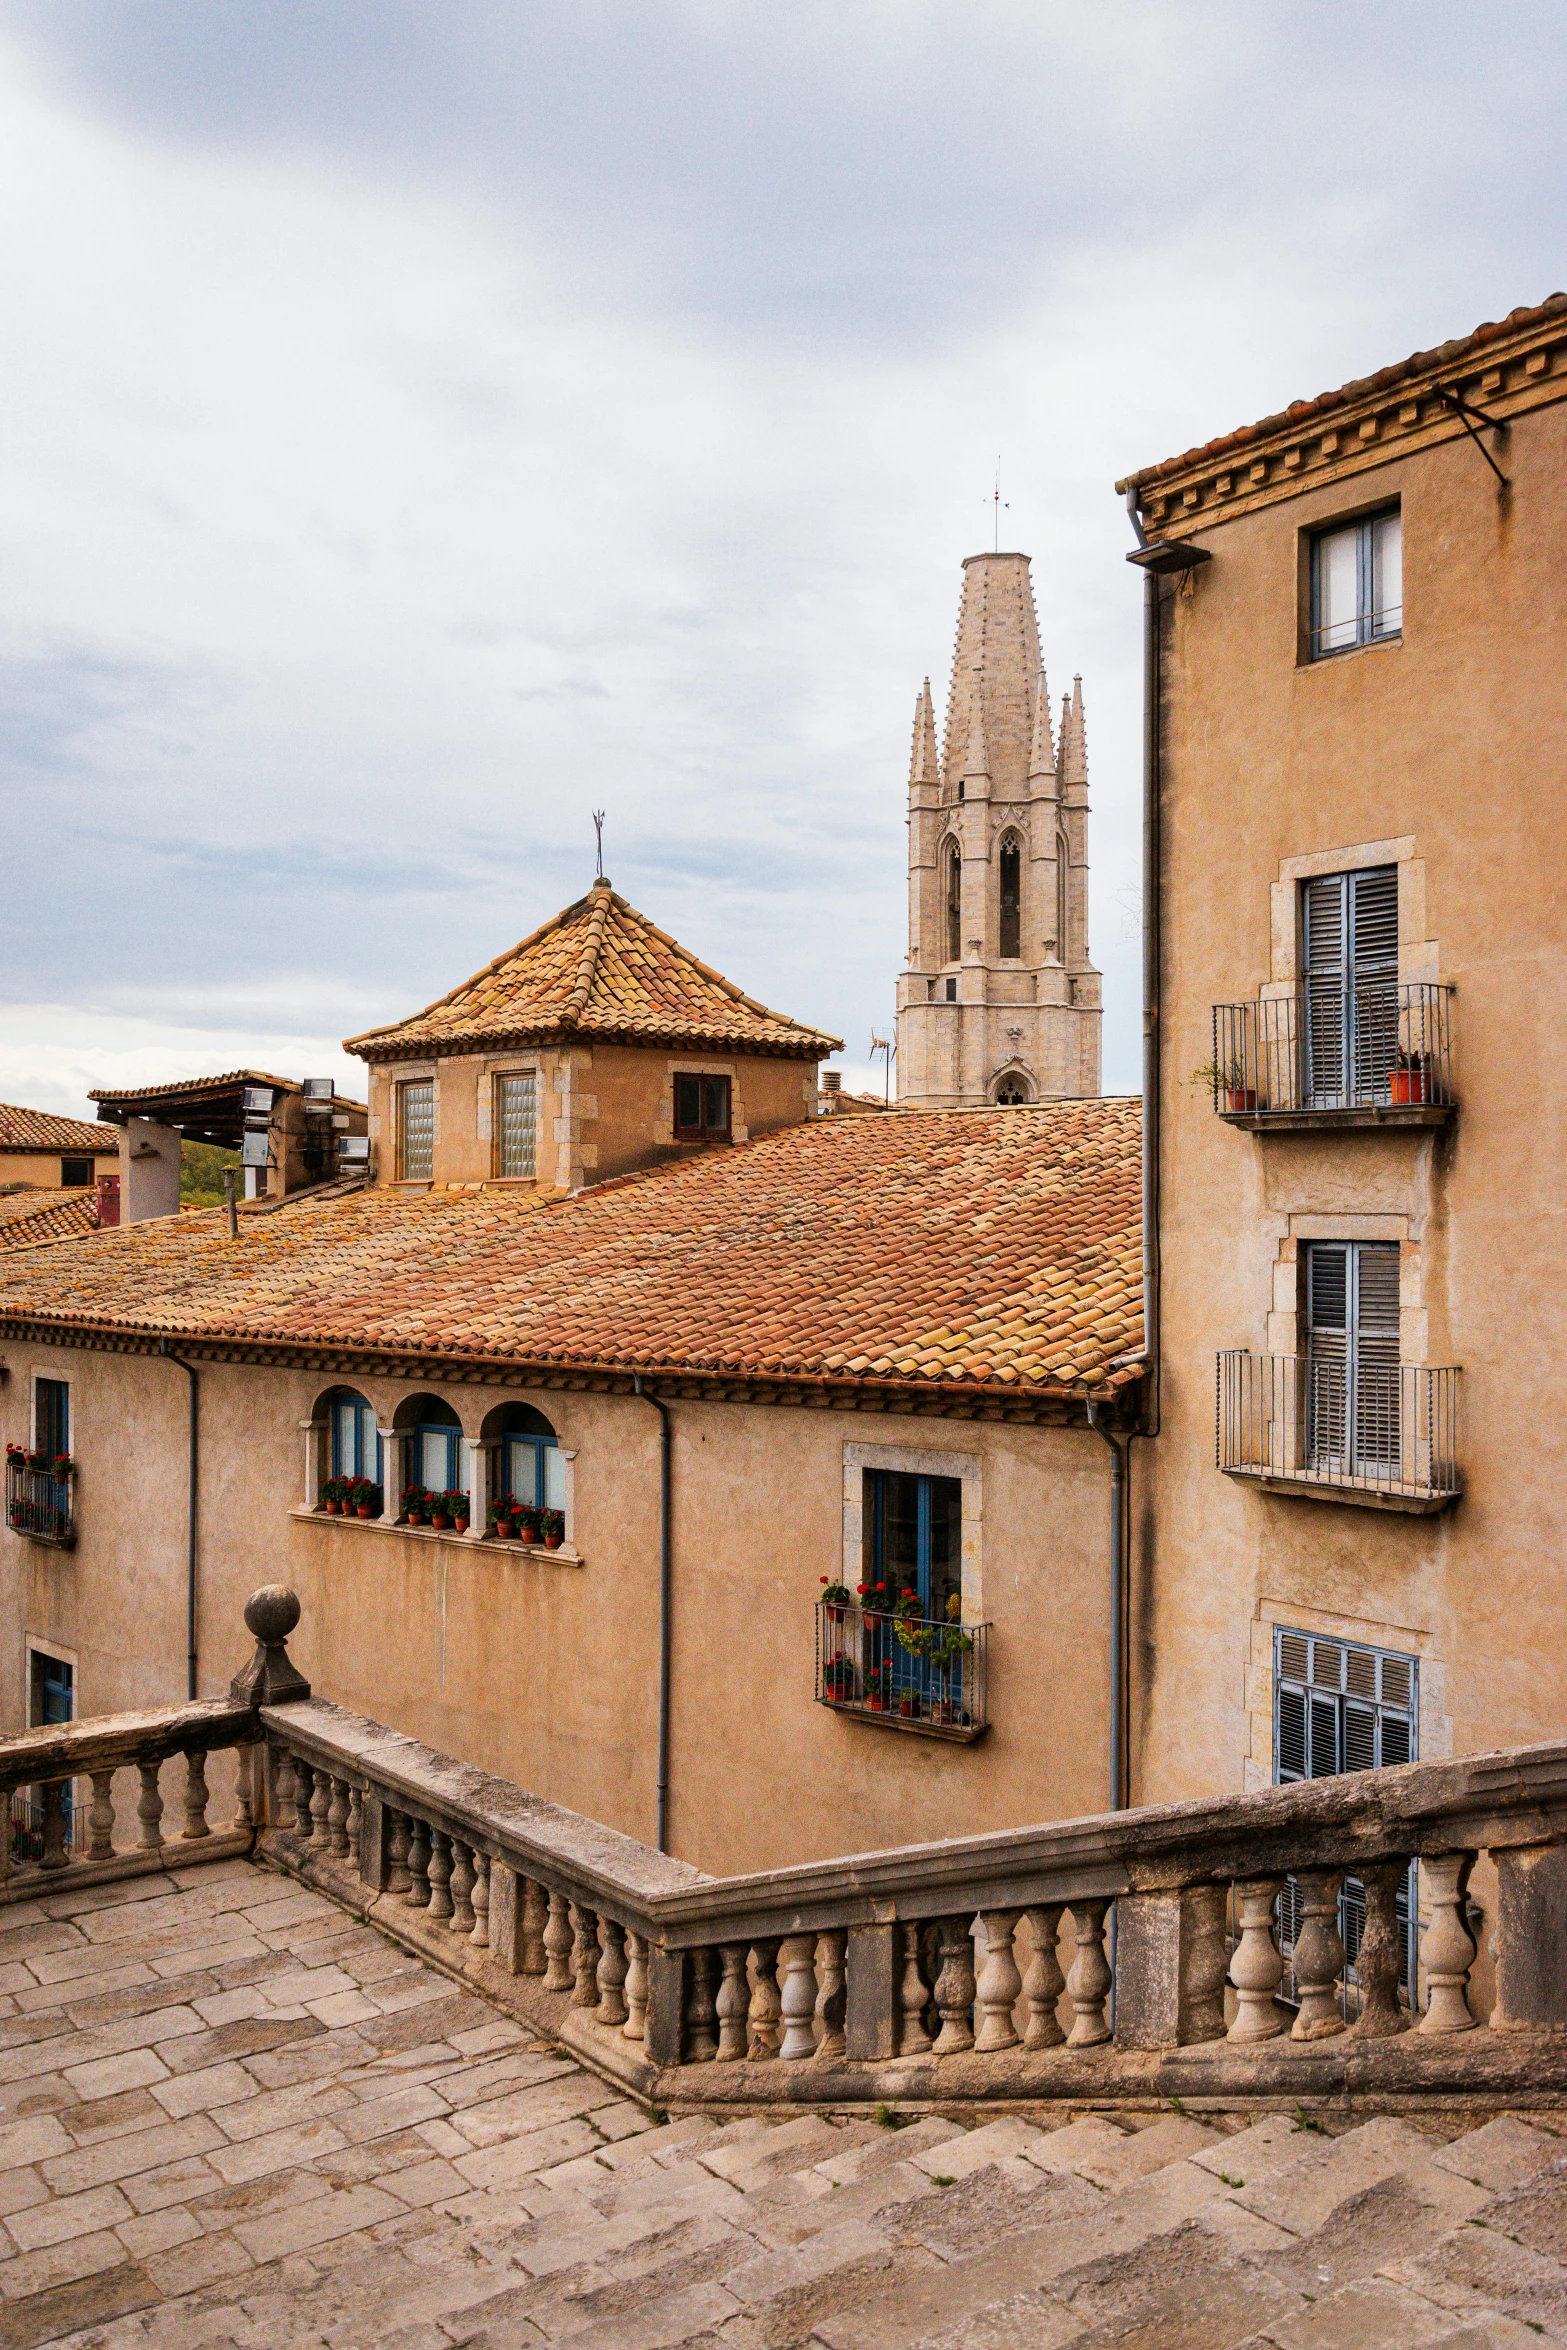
(999, 1001)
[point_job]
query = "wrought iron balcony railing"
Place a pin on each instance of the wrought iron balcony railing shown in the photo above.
(1376, 1051)
(1386, 1434)
(906, 1673)
(38, 1503)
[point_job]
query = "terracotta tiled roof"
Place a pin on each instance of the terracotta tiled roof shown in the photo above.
(195, 1085)
(599, 969)
(968, 1249)
(28, 1217)
(1445, 356)
(41, 1130)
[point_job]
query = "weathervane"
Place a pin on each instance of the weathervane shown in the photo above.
(598, 827)
(999, 506)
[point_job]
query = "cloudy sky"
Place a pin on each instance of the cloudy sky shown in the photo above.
(423, 425)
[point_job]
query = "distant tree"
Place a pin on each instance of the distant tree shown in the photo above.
(201, 1173)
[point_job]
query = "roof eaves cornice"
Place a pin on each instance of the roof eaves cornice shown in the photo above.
(1512, 366)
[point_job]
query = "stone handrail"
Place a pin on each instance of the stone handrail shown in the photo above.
(52, 1759)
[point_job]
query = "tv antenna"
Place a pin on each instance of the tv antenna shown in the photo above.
(887, 1047)
(598, 827)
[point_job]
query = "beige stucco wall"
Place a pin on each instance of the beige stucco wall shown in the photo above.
(602, 1109)
(42, 1168)
(547, 1672)
(1447, 748)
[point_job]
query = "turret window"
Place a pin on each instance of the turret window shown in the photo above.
(954, 903)
(416, 1132)
(701, 1109)
(1011, 899)
(516, 1125)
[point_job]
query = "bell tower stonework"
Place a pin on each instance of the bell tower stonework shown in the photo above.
(999, 1002)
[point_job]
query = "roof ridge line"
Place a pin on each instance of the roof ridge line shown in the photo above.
(389, 1027)
(593, 947)
(751, 1002)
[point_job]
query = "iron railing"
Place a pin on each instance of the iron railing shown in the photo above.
(1382, 1429)
(29, 1839)
(908, 1672)
(1379, 1044)
(37, 1502)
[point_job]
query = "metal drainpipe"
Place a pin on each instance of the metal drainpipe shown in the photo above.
(664, 1592)
(1151, 981)
(189, 1370)
(1118, 1515)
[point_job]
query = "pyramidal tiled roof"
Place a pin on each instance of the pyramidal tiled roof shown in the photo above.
(42, 1130)
(991, 1252)
(598, 970)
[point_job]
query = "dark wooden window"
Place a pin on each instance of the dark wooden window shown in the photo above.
(1011, 899)
(75, 1172)
(701, 1109)
(52, 1697)
(51, 1417)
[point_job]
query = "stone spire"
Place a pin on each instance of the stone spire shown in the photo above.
(1074, 747)
(1042, 754)
(976, 755)
(994, 665)
(924, 764)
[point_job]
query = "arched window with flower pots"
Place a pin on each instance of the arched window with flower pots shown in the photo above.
(530, 1498)
(435, 1457)
(354, 1468)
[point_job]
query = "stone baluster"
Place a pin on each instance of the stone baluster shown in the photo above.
(197, 1797)
(245, 1786)
(397, 1877)
(535, 1917)
(831, 1997)
(764, 2025)
(337, 1817)
(1446, 1946)
(733, 2005)
(418, 1895)
(612, 1972)
(797, 1994)
(955, 1988)
(557, 1940)
(320, 1807)
(1256, 1968)
(149, 1809)
(584, 1955)
(913, 1995)
(635, 2026)
(440, 1874)
(1000, 1985)
(1088, 1978)
(100, 1819)
(304, 1824)
(701, 2010)
(1379, 1962)
(480, 1937)
(54, 1797)
(1319, 1956)
(356, 1824)
(462, 1884)
(1044, 1982)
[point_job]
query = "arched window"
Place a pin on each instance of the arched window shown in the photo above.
(435, 1447)
(532, 1469)
(1063, 860)
(356, 1442)
(1011, 1093)
(1011, 897)
(954, 903)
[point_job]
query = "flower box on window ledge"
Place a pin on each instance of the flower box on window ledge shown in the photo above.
(900, 1670)
(351, 1497)
(40, 1496)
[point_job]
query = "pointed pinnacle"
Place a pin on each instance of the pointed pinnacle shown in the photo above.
(1042, 757)
(1074, 739)
(924, 765)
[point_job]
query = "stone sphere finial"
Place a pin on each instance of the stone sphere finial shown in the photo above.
(272, 1612)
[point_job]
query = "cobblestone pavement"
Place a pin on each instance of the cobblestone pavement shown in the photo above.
(230, 2115)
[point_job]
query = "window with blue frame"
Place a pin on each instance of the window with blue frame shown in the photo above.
(436, 1454)
(356, 1441)
(52, 1417)
(914, 1537)
(532, 1467)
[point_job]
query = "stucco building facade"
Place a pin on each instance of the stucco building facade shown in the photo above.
(1355, 1496)
(999, 1001)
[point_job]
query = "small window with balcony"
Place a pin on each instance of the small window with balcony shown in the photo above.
(416, 1131)
(40, 1481)
(1357, 584)
(701, 1109)
(517, 1125)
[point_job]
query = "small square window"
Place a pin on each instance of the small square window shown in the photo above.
(75, 1172)
(701, 1108)
(1357, 584)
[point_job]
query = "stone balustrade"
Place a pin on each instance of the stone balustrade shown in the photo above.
(1124, 1957)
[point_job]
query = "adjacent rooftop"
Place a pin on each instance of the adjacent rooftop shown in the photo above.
(42, 1130)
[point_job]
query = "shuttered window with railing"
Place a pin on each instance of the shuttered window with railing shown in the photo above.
(1340, 1707)
(1350, 925)
(1352, 1342)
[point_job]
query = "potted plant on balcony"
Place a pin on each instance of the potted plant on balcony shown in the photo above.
(332, 1496)
(1228, 1077)
(836, 1599)
(1412, 1078)
(874, 1598)
(913, 1634)
(458, 1508)
(839, 1680)
(878, 1686)
(503, 1518)
(527, 1522)
(416, 1501)
(363, 1497)
(552, 1527)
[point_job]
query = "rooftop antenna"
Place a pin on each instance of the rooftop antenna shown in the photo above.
(598, 827)
(887, 1047)
(999, 507)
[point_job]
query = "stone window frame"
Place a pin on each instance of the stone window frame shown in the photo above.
(699, 1065)
(63, 1654)
(414, 1073)
(1286, 1318)
(54, 1379)
(1013, 831)
(492, 1068)
(1418, 953)
(918, 1461)
(1435, 1723)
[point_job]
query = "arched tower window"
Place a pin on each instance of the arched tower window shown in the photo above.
(1011, 897)
(1063, 858)
(954, 903)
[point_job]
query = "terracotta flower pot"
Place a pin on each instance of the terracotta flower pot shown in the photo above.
(440, 1523)
(333, 1509)
(553, 1541)
(1410, 1085)
(1241, 1100)
(364, 1510)
(504, 1529)
(415, 1518)
(461, 1525)
(878, 1705)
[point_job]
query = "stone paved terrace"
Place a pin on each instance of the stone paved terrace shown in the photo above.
(231, 2115)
